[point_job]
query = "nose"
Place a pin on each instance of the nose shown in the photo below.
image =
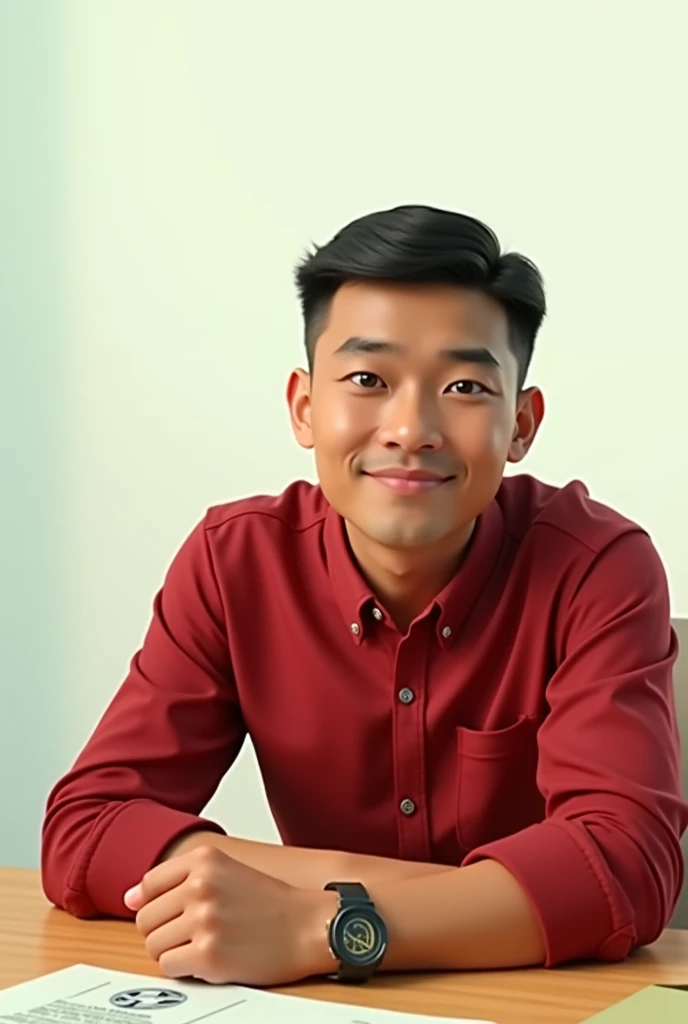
(411, 422)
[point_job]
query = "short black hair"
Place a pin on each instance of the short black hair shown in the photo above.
(423, 244)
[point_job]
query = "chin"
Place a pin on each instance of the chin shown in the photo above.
(404, 535)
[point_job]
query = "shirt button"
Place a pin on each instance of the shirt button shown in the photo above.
(407, 807)
(355, 628)
(446, 631)
(377, 614)
(406, 696)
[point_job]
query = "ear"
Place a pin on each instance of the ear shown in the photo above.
(299, 401)
(530, 410)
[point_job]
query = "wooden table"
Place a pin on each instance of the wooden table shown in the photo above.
(35, 939)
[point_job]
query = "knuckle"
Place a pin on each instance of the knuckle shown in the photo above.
(206, 856)
(206, 916)
(200, 887)
(209, 950)
(202, 879)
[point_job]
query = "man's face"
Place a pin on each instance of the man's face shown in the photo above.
(412, 409)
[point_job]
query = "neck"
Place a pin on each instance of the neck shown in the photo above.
(406, 581)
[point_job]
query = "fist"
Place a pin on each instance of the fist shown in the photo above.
(204, 915)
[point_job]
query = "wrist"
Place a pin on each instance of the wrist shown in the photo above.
(189, 841)
(315, 908)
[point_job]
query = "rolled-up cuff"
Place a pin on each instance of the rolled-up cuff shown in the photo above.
(132, 843)
(577, 910)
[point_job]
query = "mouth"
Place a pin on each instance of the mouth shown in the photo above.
(409, 482)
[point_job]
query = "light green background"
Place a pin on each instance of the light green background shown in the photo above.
(164, 162)
(34, 676)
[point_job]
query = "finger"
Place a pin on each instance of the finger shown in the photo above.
(193, 960)
(161, 910)
(133, 898)
(165, 876)
(179, 962)
(168, 936)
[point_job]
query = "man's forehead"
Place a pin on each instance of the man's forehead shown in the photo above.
(411, 314)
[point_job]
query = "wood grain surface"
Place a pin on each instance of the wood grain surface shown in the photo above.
(35, 938)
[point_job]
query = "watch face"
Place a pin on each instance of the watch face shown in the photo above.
(359, 936)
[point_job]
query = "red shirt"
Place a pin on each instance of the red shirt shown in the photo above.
(527, 715)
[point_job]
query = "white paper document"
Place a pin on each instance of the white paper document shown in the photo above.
(93, 995)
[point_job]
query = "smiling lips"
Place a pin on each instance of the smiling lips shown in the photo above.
(408, 481)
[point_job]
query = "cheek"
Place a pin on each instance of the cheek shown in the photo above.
(340, 433)
(500, 438)
(485, 440)
(338, 424)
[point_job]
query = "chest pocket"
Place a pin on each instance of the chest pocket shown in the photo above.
(496, 790)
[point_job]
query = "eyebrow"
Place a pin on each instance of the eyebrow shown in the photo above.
(478, 355)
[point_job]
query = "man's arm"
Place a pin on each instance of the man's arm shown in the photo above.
(207, 916)
(158, 754)
(156, 758)
(471, 918)
(302, 868)
(602, 873)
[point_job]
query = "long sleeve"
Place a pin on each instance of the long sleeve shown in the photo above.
(604, 869)
(158, 754)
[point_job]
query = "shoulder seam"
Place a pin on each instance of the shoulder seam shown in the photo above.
(239, 513)
(630, 528)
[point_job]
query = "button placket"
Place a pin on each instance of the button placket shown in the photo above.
(409, 742)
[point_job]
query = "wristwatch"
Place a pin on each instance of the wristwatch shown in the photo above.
(357, 933)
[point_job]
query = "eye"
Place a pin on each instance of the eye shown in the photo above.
(369, 381)
(467, 387)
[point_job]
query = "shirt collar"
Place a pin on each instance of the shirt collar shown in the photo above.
(352, 593)
(358, 603)
(461, 594)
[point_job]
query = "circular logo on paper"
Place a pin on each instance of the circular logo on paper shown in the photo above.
(148, 999)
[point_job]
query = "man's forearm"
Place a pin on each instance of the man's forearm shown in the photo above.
(471, 918)
(304, 868)
(438, 917)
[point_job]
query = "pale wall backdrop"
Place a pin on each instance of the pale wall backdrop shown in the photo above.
(167, 161)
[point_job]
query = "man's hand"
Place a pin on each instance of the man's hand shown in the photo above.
(205, 915)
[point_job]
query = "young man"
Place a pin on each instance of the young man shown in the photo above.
(458, 686)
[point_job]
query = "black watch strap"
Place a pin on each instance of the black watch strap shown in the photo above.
(350, 893)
